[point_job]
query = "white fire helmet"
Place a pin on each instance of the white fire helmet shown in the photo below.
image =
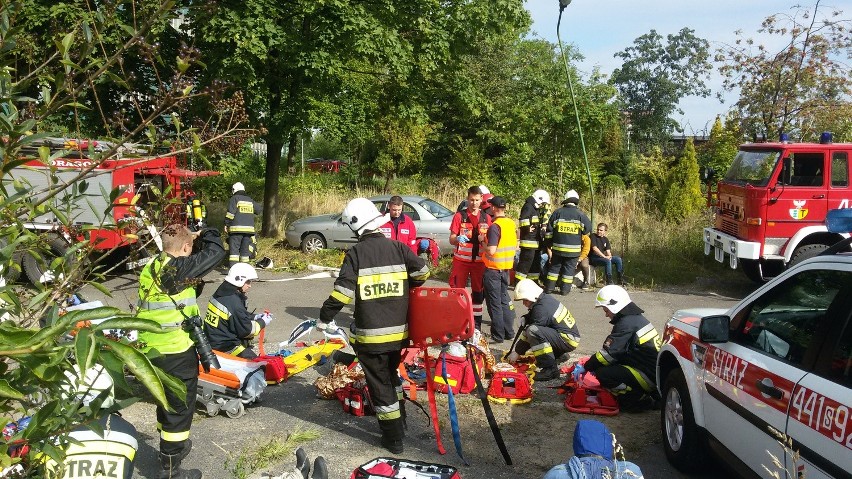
(484, 190)
(541, 198)
(362, 215)
(528, 290)
(572, 197)
(240, 273)
(238, 187)
(612, 297)
(89, 386)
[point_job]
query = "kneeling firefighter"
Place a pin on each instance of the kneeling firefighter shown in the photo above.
(376, 274)
(549, 329)
(626, 363)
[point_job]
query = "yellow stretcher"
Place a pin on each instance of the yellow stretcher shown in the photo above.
(311, 355)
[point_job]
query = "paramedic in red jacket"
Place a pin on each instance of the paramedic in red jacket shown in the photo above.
(400, 227)
(467, 234)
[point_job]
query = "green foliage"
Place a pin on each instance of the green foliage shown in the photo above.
(683, 193)
(721, 148)
(656, 75)
(322, 145)
(652, 174)
(611, 182)
(258, 456)
(801, 88)
(467, 164)
(64, 68)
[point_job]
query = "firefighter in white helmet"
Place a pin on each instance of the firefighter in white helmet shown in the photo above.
(626, 362)
(549, 330)
(228, 322)
(239, 224)
(565, 230)
(532, 228)
(376, 275)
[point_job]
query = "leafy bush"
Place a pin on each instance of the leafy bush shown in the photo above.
(611, 182)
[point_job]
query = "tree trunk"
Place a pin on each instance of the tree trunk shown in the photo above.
(291, 151)
(270, 189)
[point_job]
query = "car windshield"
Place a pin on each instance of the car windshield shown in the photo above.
(437, 209)
(753, 167)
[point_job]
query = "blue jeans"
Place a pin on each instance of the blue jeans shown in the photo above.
(607, 263)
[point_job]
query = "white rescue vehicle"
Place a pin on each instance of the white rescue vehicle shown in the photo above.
(779, 363)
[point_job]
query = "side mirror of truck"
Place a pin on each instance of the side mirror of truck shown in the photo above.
(707, 174)
(714, 329)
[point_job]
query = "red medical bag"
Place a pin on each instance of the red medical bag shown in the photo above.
(276, 370)
(355, 398)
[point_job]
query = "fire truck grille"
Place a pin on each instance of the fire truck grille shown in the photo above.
(730, 227)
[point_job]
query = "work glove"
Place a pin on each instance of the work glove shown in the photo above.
(462, 239)
(267, 318)
(328, 327)
(512, 358)
(578, 372)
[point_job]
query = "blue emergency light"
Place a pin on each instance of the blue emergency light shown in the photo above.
(825, 137)
(784, 138)
(839, 221)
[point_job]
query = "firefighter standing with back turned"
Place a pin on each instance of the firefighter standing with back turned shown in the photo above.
(239, 224)
(168, 288)
(564, 234)
(376, 274)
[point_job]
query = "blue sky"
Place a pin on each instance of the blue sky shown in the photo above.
(600, 28)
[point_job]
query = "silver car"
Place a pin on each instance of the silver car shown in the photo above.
(431, 218)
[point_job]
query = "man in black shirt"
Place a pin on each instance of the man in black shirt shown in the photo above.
(601, 255)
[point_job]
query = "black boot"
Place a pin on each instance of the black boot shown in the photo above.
(320, 468)
(303, 464)
(609, 279)
(392, 435)
(547, 374)
(172, 469)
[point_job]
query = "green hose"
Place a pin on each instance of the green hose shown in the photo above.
(576, 115)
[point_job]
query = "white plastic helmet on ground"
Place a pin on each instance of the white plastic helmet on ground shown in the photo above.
(240, 273)
(238, 187)
(572, 197)
(528, 290)
(362, 215)
(89, 386)
(541, 198)
(612, 297)
(484, 190)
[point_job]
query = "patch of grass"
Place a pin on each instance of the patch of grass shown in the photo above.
(258, 456)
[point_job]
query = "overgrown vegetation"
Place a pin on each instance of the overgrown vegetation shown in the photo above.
(257, 456)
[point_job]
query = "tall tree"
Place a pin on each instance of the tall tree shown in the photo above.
(290, 57)
(656, 75)
(801, 87)
(683, 195)
(721, 147)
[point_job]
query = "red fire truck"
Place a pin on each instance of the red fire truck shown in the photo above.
(771, 205)
(109, 224)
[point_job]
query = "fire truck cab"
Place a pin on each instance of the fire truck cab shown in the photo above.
(772, 202)
(96, 215)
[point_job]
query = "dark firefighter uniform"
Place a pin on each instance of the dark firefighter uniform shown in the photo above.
(377, 274)
(239, 220)
(228, 321)
(495, 280)
(564, 234)
(626, 364)
(550, 332)
(166, 284)
(532, 228)
(99, 454)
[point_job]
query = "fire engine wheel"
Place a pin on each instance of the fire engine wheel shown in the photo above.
(12, 270)
(36, 265)
(683, 440)
(805, 252)
(751, 268)
(313, 242)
